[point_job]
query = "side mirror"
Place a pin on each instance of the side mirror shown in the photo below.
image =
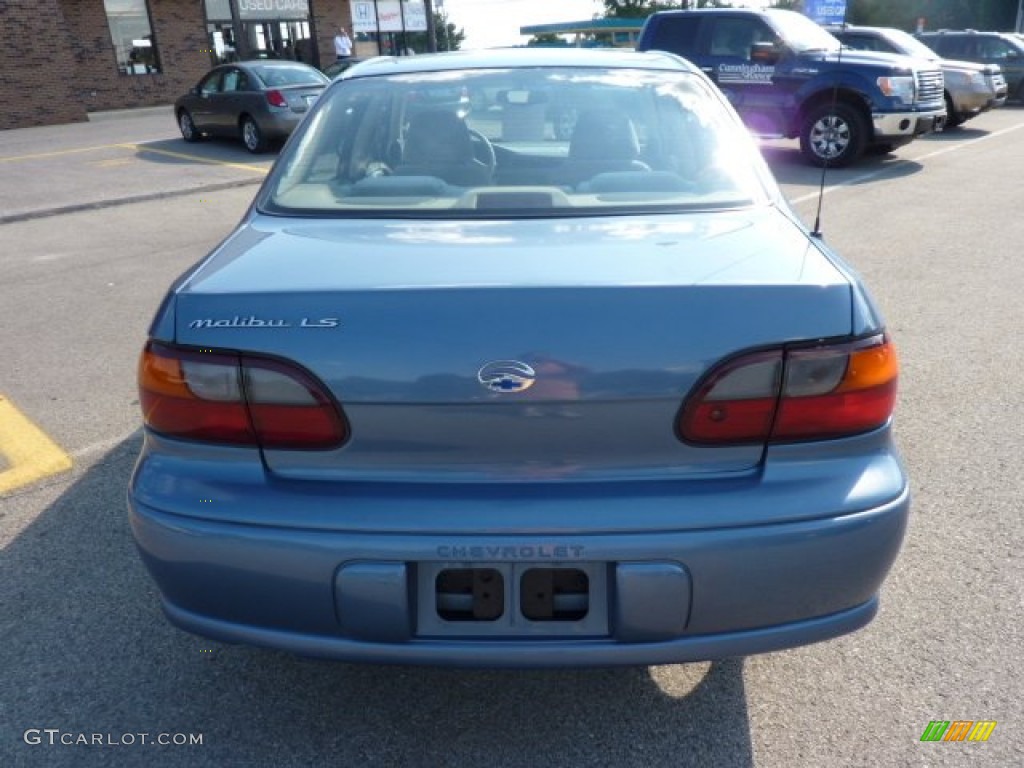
(764, 53)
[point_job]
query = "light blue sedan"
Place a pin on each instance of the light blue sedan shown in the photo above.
(460, 390)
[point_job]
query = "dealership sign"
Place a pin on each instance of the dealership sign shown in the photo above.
(273, 10)
(826, 11)
(388, 16)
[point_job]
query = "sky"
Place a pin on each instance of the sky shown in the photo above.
(489, 23)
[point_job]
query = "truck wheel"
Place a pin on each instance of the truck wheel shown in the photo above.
(834, 134)
(952, 118)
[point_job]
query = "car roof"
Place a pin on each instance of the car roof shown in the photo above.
(837, 28)
(882, 32)
(490, 58)
(1014, 38)
(972, 32)
(739, 10)
(284, 63)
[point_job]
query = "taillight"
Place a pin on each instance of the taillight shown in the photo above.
(795, 394)
(276, 99)
(737, 403)
(240, 399)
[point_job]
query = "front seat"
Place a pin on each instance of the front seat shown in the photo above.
(437, 143)
(603, 141)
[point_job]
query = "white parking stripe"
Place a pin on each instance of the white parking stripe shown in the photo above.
(883, 171)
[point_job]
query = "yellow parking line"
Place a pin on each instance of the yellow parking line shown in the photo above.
(136, 148)
(30, 454)
(58, 153)
(195, 158)
(112, 162)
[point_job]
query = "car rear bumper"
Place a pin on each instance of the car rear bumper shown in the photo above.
(510, 654)
(280, 124)
(653, 597)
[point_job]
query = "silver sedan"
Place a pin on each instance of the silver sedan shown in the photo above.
(256, 101)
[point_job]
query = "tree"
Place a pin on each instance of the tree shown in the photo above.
(448, 38)
(548, 39)
(629, 9)
(639, 9)
(938, 14)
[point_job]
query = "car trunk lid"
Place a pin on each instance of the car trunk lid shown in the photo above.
(300, 98)
(406, 323)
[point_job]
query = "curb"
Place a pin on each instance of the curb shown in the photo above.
(120, 114)
(101, 204)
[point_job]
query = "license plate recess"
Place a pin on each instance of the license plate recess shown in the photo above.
(548, 599)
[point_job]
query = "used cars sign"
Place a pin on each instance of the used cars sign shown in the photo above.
(826, 11)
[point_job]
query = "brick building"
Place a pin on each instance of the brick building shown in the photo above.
(60, 59)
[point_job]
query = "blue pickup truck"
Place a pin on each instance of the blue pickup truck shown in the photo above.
(788, 77)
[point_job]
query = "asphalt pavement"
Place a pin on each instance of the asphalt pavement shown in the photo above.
(115, 158)
(96, 219)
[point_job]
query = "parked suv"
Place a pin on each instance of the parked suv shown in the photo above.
(1002, 48)
(971, 88)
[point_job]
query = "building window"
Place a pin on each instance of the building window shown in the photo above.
(218, 10)
(132, 35)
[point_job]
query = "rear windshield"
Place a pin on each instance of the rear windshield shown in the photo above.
(280, 75)
(538, 141)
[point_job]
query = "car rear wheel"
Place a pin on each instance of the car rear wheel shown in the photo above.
(187, 126)
(252, 136)
(835, 134)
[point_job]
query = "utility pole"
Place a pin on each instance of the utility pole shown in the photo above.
(428, 7)
(1020, 16)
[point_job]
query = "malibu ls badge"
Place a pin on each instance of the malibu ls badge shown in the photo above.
(252, 321)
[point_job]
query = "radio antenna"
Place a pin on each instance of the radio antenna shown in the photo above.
(816, 232)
